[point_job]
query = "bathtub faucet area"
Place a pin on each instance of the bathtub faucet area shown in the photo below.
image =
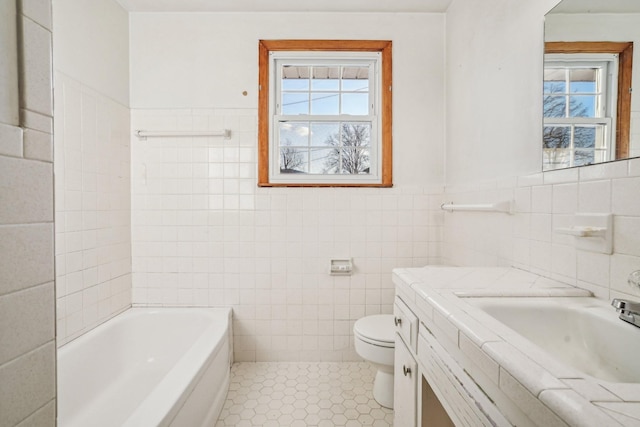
(629, 311)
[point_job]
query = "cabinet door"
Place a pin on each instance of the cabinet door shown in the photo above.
(405, 386)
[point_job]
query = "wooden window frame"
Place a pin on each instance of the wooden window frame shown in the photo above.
(264, 116)
(624, 50)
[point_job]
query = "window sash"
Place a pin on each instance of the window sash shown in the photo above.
(605, 108)
(375, 159)
(600, 93)
(560, 157)
(325, 59)
(370, 59)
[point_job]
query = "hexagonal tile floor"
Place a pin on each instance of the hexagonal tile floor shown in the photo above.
(319, 394)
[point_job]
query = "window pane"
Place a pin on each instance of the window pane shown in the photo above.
(319, 162)
(584, 137)
(325, 103)
(556, 137)
(583, 157)
(344, 161)
(326, 78)
(554, 87)
(584, 87)
(353, 85)
(349, 152)
(556, 158)
(582, 106)
(294, 134)
(293, 160)
(583, 80)
(295, 84)
(355, 161)
(355, 73)
(295, 103)
(554, 75)
(554, 83)
(295, 78)
(323, 133)
(554, 106)
(355, 135)
(356, 104)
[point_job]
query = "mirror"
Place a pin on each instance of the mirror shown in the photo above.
(590, 113)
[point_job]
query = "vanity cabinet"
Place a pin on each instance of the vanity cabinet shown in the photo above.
(405, 395)
(475, 371)
(430, 388)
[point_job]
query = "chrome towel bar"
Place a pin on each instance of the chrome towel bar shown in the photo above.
(143, 134)
(505, 206)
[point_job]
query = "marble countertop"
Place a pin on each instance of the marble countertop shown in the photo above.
(547, 391)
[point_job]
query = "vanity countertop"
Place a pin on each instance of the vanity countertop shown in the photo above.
(547, 391)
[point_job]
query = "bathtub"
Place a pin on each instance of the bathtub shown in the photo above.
(147, 367)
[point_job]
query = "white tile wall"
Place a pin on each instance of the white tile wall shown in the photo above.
(93, 225)
(204, 234)
(544, 202)
(27, 331)
(36, 89)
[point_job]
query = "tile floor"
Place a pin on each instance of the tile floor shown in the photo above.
(319, 394)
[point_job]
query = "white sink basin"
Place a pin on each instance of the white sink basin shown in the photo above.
(582, 332)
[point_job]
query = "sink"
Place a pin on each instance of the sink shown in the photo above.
(582, 332)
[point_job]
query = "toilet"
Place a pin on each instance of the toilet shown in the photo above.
(374, 339)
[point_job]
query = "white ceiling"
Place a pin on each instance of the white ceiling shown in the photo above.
(597, 6)
(428, 6)
(285, 5)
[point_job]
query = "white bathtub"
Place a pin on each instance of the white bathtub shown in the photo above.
(147, 367)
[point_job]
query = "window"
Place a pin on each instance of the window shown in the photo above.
(324, 118)
(578, 109)
(586, 110)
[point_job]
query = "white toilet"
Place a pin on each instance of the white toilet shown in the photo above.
(374, 338)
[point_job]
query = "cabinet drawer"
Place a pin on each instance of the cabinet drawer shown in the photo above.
(406, 324)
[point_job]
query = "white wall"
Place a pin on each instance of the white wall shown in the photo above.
(206, 60)
(92, 164)
(204, 234)
(494, 81)
(92, 45)
(543, 201)
(27, 301)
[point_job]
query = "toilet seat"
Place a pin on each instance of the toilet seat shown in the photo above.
(376, 330)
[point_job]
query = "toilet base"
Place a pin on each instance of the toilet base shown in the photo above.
(383, 386)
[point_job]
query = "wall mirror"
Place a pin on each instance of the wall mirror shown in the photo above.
(590, 113)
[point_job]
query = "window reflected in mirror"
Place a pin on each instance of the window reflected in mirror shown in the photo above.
(589, 115)
(586, 103)
(579, 101)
